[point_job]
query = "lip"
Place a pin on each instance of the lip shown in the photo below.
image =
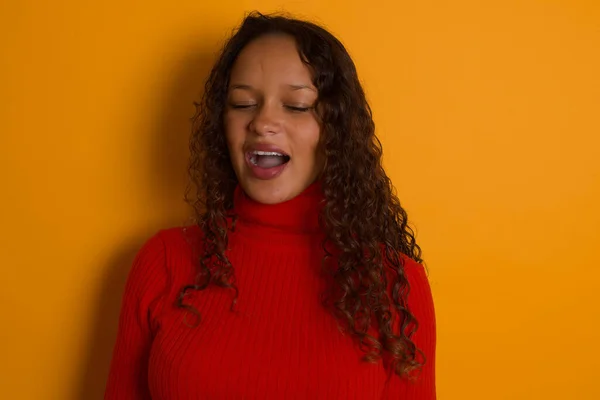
(264, 147)
(264, 173)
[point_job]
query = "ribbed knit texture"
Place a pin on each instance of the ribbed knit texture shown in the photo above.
(278, 343)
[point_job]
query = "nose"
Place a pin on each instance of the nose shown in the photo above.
(266, 121)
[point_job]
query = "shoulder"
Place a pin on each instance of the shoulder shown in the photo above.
(170, 243)
(415, 271)
(420, 296)
(179, 238)
(161, 244)
(166, 255)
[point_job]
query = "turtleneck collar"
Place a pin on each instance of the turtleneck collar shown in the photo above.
(299, 215)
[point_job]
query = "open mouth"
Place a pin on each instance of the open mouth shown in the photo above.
(267, 159)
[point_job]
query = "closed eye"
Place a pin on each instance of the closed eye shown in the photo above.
(298, 109)
(242, 106)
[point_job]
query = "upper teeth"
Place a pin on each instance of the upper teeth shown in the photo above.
(267, 153)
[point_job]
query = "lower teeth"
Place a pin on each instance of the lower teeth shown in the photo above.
(254, 160)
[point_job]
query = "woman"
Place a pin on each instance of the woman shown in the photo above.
(301, 278)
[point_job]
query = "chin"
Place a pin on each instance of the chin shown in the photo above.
(269, 192)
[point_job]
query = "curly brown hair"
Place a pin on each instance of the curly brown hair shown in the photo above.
(362, 217)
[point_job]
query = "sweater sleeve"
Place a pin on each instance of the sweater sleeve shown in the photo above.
(420, 302)
(147, 281)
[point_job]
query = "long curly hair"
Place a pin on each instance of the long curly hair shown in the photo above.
(362, 217)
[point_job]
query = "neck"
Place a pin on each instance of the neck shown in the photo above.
(297, 217)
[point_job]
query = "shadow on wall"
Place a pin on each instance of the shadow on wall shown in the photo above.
(167, 175)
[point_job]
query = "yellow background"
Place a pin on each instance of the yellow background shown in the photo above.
(489, 112)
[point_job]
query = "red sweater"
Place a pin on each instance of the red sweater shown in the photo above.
(278, 343)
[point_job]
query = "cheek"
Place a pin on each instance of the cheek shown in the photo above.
(307, 139)
(314, 138)
(234, 134)
(316, 151)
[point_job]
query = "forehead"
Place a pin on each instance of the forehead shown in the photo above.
(270, 58)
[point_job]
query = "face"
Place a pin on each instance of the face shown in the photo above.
(270, 122)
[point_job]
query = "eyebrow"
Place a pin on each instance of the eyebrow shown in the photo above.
(299, 87)
(242, 86)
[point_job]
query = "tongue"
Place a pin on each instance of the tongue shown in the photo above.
(269, 161)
